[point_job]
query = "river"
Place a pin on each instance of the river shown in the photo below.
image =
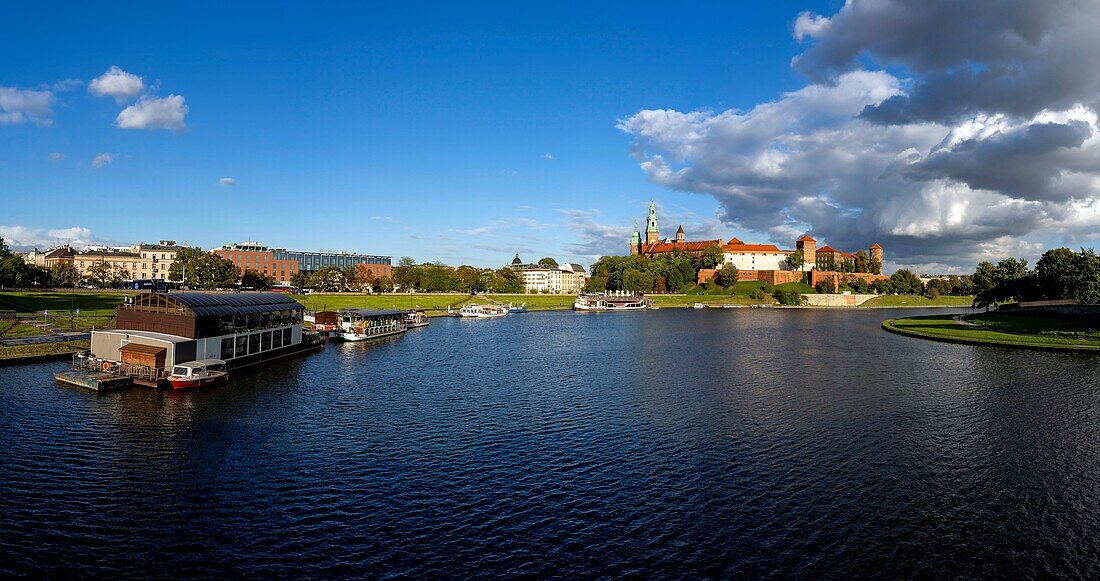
(672, 443)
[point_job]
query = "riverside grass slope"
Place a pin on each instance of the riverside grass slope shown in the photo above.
(995, 329)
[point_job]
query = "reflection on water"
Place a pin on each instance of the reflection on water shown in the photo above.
(670, 443)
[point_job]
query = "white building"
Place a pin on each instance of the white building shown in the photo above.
(755, 256)
(566, 278)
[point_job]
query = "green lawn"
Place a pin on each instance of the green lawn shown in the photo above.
(943, 327)
(1040, 324)
(12, 329)
(918, 301)
(801, 287)
(43, 349)
(62, 300)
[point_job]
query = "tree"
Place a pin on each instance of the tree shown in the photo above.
(788, 296)
(406, 261)
(826, 287)
(257, 280)
(904, 282)
(711, 256)
(1057, 274)
(660, 285)
(203, 270)
(983, 278)
(329, 279)
(728, 275)
(637, 281)
(65, 274)
(299, 280)
(796, 260)
(507, 280)
(548, 262)
(364, 278)
(384, 284)
(100, 274)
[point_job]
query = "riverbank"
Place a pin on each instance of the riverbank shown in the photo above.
(999, 330)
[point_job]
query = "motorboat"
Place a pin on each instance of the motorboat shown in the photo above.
(200, 373)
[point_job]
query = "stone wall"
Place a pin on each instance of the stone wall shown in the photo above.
(850, 300)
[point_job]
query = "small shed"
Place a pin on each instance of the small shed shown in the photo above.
(139, 354)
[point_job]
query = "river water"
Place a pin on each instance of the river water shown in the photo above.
(673, 443)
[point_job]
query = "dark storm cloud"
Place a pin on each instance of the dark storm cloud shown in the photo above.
(1010, 56)
(944, 130)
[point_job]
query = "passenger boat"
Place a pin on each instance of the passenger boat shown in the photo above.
(520, 309)
(364, 324)
(698, 306)
(482, 311)
(601, 302)
(199, 373)
(414, 319)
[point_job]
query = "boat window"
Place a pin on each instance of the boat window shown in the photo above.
(227, 348)
(265, 341)
(242, 346)
(253, 343)
(277, 339)
(179, 370)
(286, 336)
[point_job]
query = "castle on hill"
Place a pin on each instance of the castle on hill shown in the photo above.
(765, 262)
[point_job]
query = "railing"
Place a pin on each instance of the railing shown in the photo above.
(144, 372)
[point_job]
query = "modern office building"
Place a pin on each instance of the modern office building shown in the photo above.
(282, 264)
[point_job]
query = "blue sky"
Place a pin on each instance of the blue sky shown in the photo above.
(949, 132)
(437, 131)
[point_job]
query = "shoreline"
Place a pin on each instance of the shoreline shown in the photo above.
(954, 330)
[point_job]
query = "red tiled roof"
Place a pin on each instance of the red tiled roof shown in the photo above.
(876, 245)
(661, 247)
(827, 249)
(751, 248)
(806, 237)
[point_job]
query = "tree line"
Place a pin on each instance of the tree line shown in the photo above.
(408, 276)
(1059, 274)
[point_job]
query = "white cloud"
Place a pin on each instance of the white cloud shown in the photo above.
(229, 182)
(155, 113)
(937, 157)
(57, 157)
(18, 106)
(102, 160)
(548, 156)
(117, 83)
(24, 237)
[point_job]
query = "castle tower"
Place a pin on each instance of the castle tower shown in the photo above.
(680, 235)
(808, 246)
(876, 255)
(652, 233)
(635, 240)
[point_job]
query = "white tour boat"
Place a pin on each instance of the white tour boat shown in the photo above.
(482, 311)
(364, 324)
(618, 301)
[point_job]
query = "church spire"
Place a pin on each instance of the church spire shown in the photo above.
(652, 233)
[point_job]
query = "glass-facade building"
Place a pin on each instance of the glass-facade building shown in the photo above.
(313, 261)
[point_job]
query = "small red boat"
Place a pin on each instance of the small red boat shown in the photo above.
(199, 373)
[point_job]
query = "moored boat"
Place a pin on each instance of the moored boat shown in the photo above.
(364, 324)
(601, 302)
(199, 373)
(414, 319)
(482, 311)
(698, 306)
(520, 309)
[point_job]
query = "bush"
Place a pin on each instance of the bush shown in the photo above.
(787, 296)
(826, 287)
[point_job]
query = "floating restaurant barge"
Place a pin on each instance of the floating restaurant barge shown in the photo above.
(157, 332)
(612, 301)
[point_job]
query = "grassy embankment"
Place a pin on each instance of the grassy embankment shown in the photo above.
(1030, 331)
(97, 309)
(918, 301)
